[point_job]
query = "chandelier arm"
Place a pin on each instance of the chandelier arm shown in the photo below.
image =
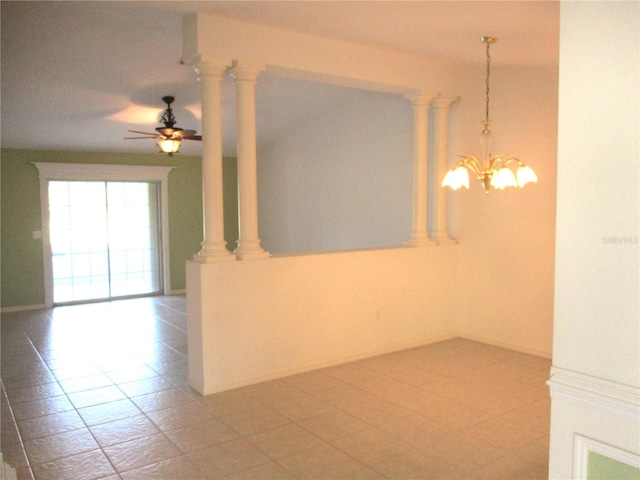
(473, 164)
(511, 160)
(495, 161)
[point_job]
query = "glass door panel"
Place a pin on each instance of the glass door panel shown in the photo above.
(104, 239)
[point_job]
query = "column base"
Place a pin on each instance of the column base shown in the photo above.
(252, 255)
(420, 241)
(213, 252)
(250, 250)
(214, 257)
(445, 240)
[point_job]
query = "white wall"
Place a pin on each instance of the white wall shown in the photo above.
(341, 178)
(270, 318)
(596, 356)
(506, 238)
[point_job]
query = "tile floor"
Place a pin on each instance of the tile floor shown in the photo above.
(99, 392)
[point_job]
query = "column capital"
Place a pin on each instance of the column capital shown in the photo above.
(443, 102)
(417, 99)
(244, 70)
(214, 66)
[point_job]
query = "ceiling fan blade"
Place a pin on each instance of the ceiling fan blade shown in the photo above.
(193, 137)
(188, 133)
(143, 133)
(140, 138)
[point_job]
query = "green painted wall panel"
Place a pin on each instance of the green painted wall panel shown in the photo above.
(600, 467)
(21, 263)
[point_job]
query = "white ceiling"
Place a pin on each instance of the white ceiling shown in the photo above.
(77, 75)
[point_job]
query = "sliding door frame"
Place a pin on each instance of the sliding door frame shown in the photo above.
(102, 173)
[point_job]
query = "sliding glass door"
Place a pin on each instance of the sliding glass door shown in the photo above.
(105, 240)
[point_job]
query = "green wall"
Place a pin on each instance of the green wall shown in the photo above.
(600, 467)
(21, 263)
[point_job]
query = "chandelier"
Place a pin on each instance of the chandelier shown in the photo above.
(492, 170)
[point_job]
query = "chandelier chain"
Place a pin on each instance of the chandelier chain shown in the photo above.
(487, 82)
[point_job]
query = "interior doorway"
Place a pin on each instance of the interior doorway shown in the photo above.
(105, 240)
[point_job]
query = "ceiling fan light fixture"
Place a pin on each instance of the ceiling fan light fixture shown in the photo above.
(169, 136)
(169, 145)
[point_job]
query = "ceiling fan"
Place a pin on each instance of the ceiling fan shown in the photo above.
(169, 137)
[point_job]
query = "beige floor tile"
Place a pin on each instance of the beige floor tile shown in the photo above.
(24, 381)
(332, 425)
(349, 372)
(383, 363)
(9, 433)
(161, 400)
(416, 375)
(229, 402)
(198, 436)
(380, 385)
(140, 452)
(108, 412)
(286, 440)
(504, 433)
(372, 446)
(228, 458)
(50, 425)
(326, 462)
(419, 431)
(132, 374)
(417, 465)
(313, 382)
(124, 430)
(300, 407)
(42, 407)
(91, 465)
(266, 471)
(256, 420)
(465, 452)
(75, 385)
(60, 445)
(513, 467)
(95, 396)
(145, 386)
(178, 468)
(180, 415)
(31, 393)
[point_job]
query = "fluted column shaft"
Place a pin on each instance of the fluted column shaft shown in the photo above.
(245, 75)
(214, 245)
(419, 234)
(441, 107)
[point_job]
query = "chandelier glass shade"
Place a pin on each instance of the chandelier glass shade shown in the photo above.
(494, 171)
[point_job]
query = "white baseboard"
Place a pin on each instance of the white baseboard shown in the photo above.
(508, 346)
(22, 308)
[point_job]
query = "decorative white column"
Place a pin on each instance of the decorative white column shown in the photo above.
(441, 130)
(245, 75)
(214, 247)
(419, 235)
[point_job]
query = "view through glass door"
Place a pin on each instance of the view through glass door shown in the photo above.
(105, 239)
